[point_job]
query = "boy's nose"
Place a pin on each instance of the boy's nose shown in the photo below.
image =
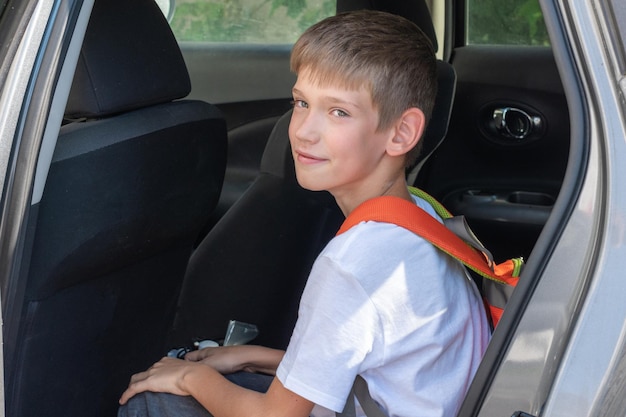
(306, 127)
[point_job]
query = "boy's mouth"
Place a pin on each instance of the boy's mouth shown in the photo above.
(306, 158)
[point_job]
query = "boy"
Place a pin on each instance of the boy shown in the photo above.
(380, 302)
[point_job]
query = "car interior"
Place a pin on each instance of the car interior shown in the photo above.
(165, 214)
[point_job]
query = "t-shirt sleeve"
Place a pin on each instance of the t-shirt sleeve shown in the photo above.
(336, 330)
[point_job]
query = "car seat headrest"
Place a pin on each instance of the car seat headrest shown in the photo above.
(129, 59)
(416, 11)
(277, 159)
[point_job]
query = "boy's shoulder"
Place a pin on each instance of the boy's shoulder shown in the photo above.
(373, 242)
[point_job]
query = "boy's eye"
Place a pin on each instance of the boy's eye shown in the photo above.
(340, 113)
(300, 103)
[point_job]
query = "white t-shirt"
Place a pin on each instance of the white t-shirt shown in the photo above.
(382, 302)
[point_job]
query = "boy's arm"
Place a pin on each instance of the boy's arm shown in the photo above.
(230, 359)
(218, 395)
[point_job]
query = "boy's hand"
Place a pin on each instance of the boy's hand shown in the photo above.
(224, 359)
(230, 359)
(214, 392)
(167, 375)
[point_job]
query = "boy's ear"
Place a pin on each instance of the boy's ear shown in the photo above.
(407, 132)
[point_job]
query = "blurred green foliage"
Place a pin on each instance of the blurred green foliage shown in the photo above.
(254, 21)
(506, 22)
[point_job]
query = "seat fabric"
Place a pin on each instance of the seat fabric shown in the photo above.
(130, 186)
(254, 263)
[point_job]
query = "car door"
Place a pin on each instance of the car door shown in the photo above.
(528, 161)
(504, 157)
(37, 41)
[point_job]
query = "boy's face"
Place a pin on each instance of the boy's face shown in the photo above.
(334, 138)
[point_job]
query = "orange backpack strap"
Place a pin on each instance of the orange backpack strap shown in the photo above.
(408, 215)
(501, 278)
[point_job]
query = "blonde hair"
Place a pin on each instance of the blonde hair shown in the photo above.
(385, 53)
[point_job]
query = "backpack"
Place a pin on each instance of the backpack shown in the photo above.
(453, 237)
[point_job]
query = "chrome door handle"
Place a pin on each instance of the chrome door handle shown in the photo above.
(514, 123)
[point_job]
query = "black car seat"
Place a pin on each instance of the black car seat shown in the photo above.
(134, 177)
(254, 263)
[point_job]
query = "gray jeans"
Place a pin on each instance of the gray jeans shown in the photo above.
(152, 404)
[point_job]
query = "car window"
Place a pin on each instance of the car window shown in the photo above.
(511, 22)
(246, 21)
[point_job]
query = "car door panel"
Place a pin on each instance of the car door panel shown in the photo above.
(504, 185)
